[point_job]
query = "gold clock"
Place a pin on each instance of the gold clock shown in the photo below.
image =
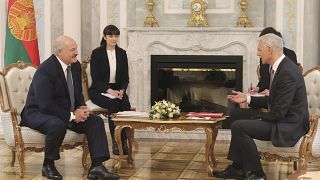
(198, 8)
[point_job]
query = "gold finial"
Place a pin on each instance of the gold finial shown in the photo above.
(150, 20)
(243, 20)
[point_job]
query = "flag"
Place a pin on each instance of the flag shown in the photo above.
(21, 34)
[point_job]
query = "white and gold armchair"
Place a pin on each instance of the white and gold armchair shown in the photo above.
(307, 149)
(15, 81)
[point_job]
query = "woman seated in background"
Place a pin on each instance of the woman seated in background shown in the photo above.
(109, 72)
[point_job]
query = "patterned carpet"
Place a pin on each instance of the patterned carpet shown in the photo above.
(153, 159)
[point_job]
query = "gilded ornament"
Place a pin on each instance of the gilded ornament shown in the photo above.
(243, 20)
(150, 20)
(198, 8)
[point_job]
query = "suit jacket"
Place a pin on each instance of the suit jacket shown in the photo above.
(48, 94)
(100, 70)
(265, 69)
(288, 105)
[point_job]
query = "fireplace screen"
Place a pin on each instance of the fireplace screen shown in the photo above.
(196, 83)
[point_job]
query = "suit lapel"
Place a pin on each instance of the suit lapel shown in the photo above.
(106, 64)
(274, 81)
(118, 62)
(61, 74)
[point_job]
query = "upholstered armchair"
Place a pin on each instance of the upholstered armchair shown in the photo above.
(15, 81)
(312, 78)
(86, 81)
(307, 149)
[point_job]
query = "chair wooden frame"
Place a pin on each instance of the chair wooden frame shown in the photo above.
(85, 83)
(304, 149)
(20, 149)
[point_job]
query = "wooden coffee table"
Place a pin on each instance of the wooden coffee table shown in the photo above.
(129, 123)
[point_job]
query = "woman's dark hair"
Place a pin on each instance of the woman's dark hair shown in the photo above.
(109, 30)
(268, 30)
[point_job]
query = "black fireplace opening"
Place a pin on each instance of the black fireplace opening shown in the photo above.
(197, 83)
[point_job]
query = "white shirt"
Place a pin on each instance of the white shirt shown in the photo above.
(274, 67)
(112, 65)
(64, 68)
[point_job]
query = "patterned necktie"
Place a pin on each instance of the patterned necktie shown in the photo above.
(70, 87)
(271, 77)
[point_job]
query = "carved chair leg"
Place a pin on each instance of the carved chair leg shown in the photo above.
(21, 161)
(85, 152)
(302, 164)
(13, 152)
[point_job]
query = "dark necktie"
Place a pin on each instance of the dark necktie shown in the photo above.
(70, 87)
(271, 77)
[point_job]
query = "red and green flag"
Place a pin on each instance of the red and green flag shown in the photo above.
(21, 34)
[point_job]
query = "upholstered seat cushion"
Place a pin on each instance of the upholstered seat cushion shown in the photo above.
(32, 138)
(266, 146)
(94, 107)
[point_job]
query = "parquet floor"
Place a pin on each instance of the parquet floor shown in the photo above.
(153, 159)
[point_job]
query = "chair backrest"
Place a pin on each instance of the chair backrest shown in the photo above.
(86, 77)
(312, 81)
(18, 77)
(3, 94)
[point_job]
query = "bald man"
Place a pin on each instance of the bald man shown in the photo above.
(55, 103)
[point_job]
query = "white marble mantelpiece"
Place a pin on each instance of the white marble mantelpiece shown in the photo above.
(145, 41)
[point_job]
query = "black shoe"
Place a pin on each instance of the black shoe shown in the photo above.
(50, 171)
(229, 173)
(115, 149)
(102, 172)
(253, 176)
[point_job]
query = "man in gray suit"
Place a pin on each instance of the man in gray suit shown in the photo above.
(284, 124)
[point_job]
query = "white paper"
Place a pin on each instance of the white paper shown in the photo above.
(108, 95)
(133, 113)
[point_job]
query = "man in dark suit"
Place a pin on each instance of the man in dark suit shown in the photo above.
(284, 124)
(55, 103)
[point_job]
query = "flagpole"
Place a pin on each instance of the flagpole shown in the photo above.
(2, 31)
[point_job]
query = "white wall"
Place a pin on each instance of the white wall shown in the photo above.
(311, 34)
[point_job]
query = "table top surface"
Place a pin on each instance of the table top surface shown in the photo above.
(181, 119)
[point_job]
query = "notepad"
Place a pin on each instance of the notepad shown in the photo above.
(108, 95)
(205, 114)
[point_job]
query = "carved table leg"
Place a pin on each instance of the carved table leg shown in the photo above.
(214, 137)
(209, 152)
(130, 135)
(117, 135)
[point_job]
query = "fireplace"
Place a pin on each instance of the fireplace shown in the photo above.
(196, 82)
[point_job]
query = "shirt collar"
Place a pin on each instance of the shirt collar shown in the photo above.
(276, 64)
(63, 65)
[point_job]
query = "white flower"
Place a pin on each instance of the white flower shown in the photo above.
(164, 109)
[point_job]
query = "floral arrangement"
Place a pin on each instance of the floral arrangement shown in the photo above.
(163, 110)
